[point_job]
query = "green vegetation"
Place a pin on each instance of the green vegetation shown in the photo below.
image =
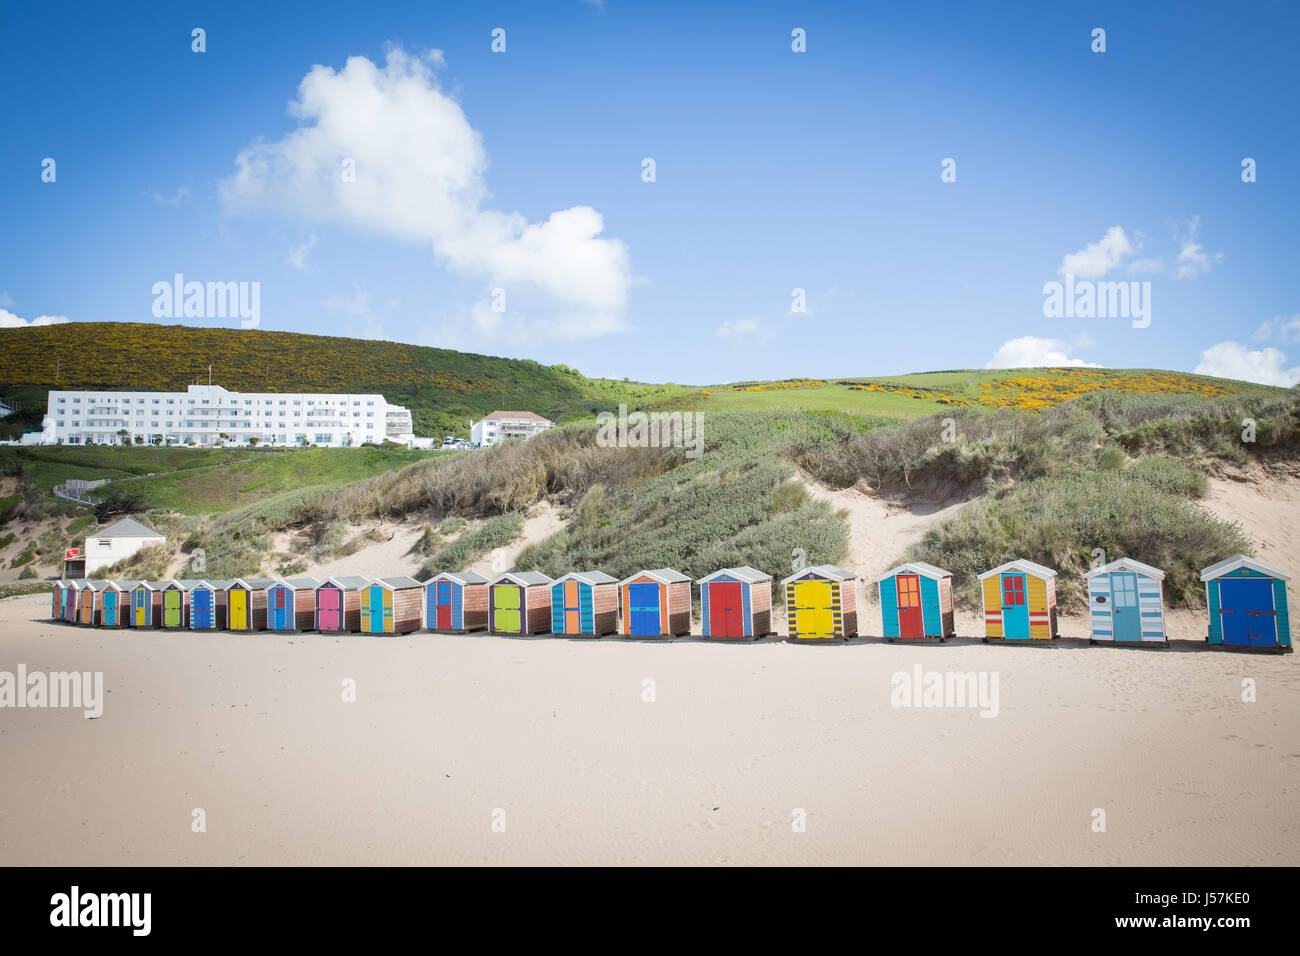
(496, 532)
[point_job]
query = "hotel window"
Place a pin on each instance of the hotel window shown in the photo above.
(62, 400)
(76, 401)
(60, 424)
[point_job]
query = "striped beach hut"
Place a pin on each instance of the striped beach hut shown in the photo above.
(1247, 605)
(519, 602)
(456, 602)
(1126, 603)
(391, 606)
(656, 603)
(736, 602)
(338, 605)
(114, 604)
(916, 602)
(246, 604)
(208, 605)
(146, 604)
(1019, 602)
(58, 599)
(821, 603)
(291, 604)
(584, 603)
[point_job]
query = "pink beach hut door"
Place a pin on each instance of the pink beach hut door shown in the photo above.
(329, 599)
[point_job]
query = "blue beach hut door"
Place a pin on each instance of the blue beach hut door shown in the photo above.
(1247, 612)
(1125, 613)
(1015, 609)
(201, 608)
(110, 608)
(643, 603)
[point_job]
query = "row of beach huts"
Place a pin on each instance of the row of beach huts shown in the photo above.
(1246, 603)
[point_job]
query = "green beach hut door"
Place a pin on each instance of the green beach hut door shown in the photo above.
(1125, 613)
(1015, 609)
(171, 609)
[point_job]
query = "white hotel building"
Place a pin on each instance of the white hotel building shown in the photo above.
(203, 414)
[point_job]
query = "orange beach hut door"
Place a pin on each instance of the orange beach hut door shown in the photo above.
(572, 611)
(911, 620)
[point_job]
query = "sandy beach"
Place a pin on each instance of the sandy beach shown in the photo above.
(553, 737)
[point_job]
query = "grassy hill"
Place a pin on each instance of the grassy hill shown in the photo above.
(444, 389)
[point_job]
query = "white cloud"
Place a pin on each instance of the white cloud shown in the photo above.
(1031, 352)
(1146, 265)
(1095, 260)
(1284, 329)
(419, 177)
(1193, 260)
(358, 307)
(181, 195)
(10, 321)
(1234, 360)
(298, 254)
(745, 329)
(6, 300)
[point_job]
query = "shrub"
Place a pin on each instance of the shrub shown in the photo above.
(496, 532)
(27, 574)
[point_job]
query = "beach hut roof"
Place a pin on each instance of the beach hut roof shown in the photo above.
(300, 584)
(98, 585)
(217, 585)
(744, 573)
(132, 585)
(1126, 564)
(398, 582)
(662, 575)
(525, 578)
(78, 583)
(1020, 564)
(128, 528)
(179, 583)
(252, 584)
(459, 577)
(346, 583)
(822, 571)
(587, 577)
(915, 567)
(1241, 561)
(159, 585)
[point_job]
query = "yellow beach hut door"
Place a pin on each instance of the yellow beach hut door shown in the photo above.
(506, 604)
(377, 610)
(142, 604)
(238, 610)
(814, 608)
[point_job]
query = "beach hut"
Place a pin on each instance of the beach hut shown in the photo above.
(72, 606)
(1247, 604)
(246, 604)
(1019, 602)
(519, 602)
(456, 602)
(114, 604)
(338, 605)
(736, 602)
(916, 602)
(208, 605)
(1125, 603)
(58, 597)
(146, 604)
(175, 604)
(584, 603)
(656, 603)
(291, 604)
(390, 606)
(89, 602)
(821, 603)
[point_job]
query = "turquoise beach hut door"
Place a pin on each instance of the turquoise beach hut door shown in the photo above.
(1015, 609)
(1247, 612)
(110, 608)
(1125, 613)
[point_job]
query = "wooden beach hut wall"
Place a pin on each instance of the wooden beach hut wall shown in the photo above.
(175, 604)
(246, 604)
(338, 605)
(391, 606)
(916, 602)
(291, 604)
(584, 603)
(1019, 602)
(736, 602)
(519, 602)
(1247, 605)
(88, 603)
(656, 603)
(208, 605)
(114, 604)
(821, 603)
(456, 602)
(1126, 603)
(146, 604)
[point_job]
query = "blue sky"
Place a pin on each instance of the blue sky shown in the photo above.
(522, 171)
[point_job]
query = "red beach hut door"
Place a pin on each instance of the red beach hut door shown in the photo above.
(726, 613)
(911, 621)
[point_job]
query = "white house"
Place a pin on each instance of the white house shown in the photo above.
(202, 414)
(500, 425)
(119, 540)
